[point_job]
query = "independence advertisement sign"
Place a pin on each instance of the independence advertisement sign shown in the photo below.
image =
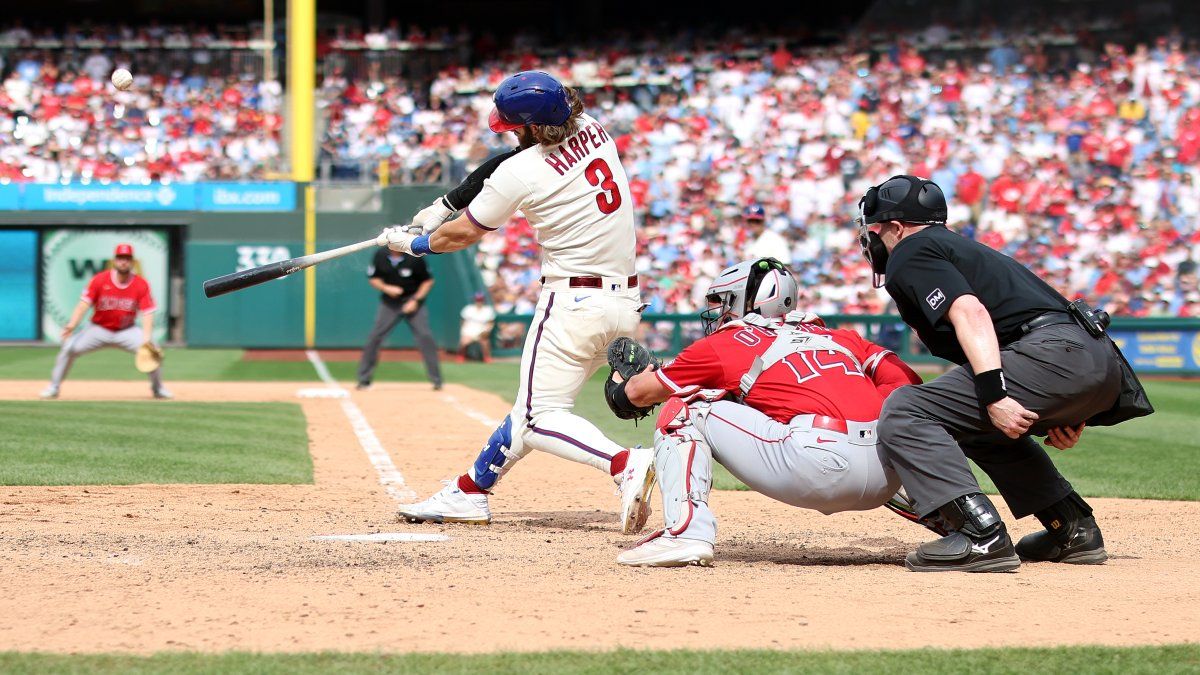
(260, 197)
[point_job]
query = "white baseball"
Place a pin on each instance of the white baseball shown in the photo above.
(122, 79)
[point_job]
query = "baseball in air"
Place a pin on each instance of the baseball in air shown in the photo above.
(122, 79)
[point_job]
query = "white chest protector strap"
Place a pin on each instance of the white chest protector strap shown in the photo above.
(789, 339)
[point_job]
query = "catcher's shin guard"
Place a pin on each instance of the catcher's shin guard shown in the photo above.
(683, 462)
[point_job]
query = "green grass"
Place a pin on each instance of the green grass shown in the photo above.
(1152, 458)
(123, 443)
(1092, 660)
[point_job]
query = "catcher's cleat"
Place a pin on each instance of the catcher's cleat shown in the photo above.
(901, 505)
(637, 482)
(659, 551)
(449, 505)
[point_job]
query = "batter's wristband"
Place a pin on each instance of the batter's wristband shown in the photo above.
(420, 246)
(990, 386)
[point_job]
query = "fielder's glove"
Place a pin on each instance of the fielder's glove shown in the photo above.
(626, 358)
(148, 358)
(431, 217)
(399, 238)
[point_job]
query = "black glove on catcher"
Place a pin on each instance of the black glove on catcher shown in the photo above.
(626, 358)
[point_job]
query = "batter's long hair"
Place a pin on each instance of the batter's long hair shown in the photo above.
(549, 135)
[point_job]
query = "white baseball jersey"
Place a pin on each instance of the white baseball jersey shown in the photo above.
(576, 197)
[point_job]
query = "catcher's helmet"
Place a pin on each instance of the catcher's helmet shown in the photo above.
(764, 286)
(529, 97)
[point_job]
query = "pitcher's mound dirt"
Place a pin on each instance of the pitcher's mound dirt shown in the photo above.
(148, 568)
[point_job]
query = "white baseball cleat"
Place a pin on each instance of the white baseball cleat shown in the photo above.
(637, 482)
(162, 393)
(668, 552)
(449, 505)
(49, 392)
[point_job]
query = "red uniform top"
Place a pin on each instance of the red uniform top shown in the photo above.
(114, 306)
(815, 382)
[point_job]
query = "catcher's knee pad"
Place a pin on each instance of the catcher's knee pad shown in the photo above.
(498, 455)
(683, 462)
(677, 413)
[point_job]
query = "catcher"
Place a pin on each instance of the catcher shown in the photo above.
(786, 404)
(116, 296)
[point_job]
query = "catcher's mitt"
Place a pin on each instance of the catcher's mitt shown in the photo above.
(148, 358)
(626, 358)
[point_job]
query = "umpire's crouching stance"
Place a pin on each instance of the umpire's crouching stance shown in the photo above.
(1027, 366)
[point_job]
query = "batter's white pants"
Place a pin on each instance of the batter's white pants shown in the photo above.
(567, 342)
(795, 463)
(93, 337)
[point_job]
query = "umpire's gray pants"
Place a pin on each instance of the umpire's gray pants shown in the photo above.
(93, 337)
(385, 320)
(928, 431)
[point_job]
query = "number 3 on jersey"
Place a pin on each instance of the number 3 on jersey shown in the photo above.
(598, 174)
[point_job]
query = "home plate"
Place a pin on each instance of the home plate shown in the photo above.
(382, 536)
(323, 392)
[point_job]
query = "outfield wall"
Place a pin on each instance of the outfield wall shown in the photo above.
(60, 235)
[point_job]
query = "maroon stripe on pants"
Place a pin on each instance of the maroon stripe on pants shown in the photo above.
(533, 360)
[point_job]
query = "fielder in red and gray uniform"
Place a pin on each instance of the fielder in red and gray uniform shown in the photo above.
(116, 296)
(801, 427)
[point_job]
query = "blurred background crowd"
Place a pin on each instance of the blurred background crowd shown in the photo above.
(1075, 153)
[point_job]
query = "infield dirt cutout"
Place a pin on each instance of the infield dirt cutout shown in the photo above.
(216, 567)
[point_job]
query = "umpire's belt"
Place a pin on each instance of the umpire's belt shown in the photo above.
(606, 283)
(1047, 319)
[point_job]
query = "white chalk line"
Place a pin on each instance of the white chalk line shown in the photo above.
(470, 412)
(389, 476)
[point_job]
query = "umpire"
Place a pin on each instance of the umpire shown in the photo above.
(1026, 366)
(403, 282)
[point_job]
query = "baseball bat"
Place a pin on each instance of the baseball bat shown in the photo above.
(257, 275)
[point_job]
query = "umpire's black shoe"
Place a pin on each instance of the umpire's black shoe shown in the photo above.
(959, 552)
(1081, 544)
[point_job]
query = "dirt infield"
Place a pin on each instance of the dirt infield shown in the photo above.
(148, 568)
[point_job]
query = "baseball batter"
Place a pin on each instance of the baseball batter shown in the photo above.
(802, 428)
(116, 296)
(568, 181)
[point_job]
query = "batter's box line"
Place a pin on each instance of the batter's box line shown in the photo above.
(469, 411)
(389, 475)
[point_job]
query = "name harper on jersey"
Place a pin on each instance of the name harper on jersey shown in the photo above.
(574, 149)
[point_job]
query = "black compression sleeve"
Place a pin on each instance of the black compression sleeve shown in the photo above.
(458, 198)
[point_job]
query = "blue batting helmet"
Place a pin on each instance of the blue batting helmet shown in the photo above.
(754, 212)
(529, 97)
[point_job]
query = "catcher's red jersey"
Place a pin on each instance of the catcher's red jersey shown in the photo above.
(815, 382)
(115, 306)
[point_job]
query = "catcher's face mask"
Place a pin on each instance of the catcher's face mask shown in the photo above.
(719, 312)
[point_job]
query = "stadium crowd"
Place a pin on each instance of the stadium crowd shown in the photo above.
(1081, 158)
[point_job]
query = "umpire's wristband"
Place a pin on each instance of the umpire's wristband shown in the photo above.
(990, 386)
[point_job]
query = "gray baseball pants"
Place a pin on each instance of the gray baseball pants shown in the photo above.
(928, 431)
(93, 337)
(385, 320)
